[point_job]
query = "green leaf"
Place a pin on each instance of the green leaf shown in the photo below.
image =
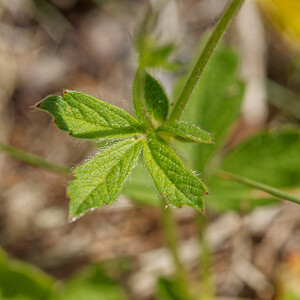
(20, 280)
(92, 284)
(170, 176)
(87, 117)
(140, 187)
(231, 195)
(215, 103)
(100, 180)
(154, 55)
(271, 158)
(157, 103)
(169, 290)
(187, 132)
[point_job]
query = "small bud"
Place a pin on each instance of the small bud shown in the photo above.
(207, 193)
(106, 203)
(70, 133)
(65, 92)
(73, 173)
(180, 206)
(202, 210)
(38, 105)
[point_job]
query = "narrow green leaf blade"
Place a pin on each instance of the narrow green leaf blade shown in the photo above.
(170, 176)
(100, 180)
(187, 132)
(157, 103)
(87, 117)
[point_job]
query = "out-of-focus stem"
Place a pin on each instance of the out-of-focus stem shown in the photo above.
(34, 160)
(169, 228)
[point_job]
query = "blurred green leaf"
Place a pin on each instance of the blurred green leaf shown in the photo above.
(140, 187)
(271, 158)
(215, 103)
(230, 195)
(156, 101)
(19, 280)
(154, 55)
(168, 289)
(92, 284)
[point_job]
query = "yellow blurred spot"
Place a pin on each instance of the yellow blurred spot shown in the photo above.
(284, 15)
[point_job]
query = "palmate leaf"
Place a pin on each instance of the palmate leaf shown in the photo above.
(170, 176)
(87, 117)
(187, 132)
(100, 180)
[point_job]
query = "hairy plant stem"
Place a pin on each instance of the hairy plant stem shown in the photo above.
(207, 288)
(192, 81)
(34, 160)
(169, 228)
(261, 186)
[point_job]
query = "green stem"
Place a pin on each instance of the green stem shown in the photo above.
(34, 160)
(221, 27)
(169, 228)
(138, 98)
(207, 287)
(261, 186)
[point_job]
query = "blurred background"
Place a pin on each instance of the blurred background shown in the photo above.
(87, 45)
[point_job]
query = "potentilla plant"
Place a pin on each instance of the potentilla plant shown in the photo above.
(99, 181)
